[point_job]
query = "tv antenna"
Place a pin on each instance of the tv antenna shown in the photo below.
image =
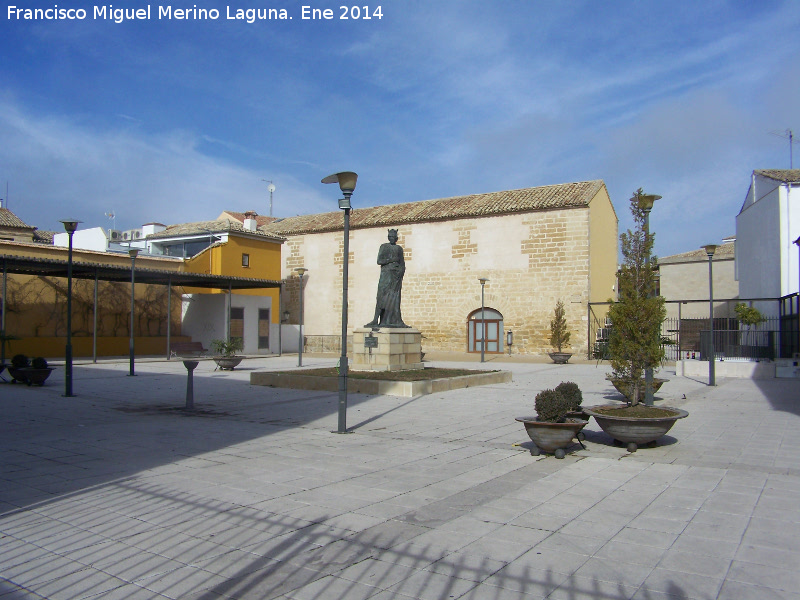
(113, 218)
(787, 135)
(271, 188)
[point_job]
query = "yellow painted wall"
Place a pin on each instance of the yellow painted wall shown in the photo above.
(226, 259)
(603, 236)
(53, 347)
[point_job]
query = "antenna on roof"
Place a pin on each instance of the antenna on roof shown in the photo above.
(787, 135)
(113, 218)
(271, 188)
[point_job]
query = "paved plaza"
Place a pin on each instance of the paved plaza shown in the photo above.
(119, 493)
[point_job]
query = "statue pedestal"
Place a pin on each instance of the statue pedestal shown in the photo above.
(386, 349)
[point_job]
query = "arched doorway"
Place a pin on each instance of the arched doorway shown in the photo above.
(494, 331)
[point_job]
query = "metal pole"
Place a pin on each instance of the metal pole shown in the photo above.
(68, 349)
(280, 321)
(300, 330)
(131, 373)
(342, 428)
(711, 367)
(3, 315)
(483, 323)
(648, 373)
(169, 313)
(94, 328)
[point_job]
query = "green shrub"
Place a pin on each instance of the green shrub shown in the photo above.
(572, 393)
(227, 348)
(20, 361)
(551, 406)
(39, 363)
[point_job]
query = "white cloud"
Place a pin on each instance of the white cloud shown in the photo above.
(58, 168)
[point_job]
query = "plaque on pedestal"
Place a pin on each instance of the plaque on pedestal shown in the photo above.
(386, 349)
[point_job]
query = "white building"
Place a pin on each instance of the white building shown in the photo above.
(767, 264)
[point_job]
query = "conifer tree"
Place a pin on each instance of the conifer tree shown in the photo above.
(635, 337)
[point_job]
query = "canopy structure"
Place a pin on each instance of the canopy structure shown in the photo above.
(48, 267)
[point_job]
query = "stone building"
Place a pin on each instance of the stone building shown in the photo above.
(684, 282)
(534, 245)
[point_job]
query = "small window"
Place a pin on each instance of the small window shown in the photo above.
(245, 260)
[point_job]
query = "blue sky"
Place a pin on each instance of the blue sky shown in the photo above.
(171, 121)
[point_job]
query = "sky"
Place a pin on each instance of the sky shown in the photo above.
(173, 120)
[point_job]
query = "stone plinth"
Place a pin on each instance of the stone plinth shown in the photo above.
(386, 349)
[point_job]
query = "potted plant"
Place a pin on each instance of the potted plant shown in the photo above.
(4, 339)
(559, 335)
(572, 393)
(15, 369)
(749, 316)
(226, 350)
(552, 429)
(635, 338)
(38, 372)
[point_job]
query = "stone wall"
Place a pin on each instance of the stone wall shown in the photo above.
(531, 260)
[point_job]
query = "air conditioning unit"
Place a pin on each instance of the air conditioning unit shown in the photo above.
(113, 234)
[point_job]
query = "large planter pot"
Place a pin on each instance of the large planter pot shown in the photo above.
(560, 358)
(34, 376)
(624, 388)
(17, 374)
(634, 431)
(227, 363)
(551, 437)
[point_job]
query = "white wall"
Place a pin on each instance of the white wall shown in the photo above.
(204, 318)
(766, 257)
(83, 239)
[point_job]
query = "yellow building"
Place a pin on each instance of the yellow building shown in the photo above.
(233, 294)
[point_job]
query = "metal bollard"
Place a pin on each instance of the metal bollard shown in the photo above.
(190, 365)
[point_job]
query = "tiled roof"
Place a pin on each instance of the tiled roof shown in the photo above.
(43, 237)
(564, 195)
(783, 175)
(9, 219)
(261, 220)
(723, 252)
(201, 227)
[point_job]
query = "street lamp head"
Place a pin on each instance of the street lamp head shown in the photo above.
(345, 179)
(646, 201)
(483, 280)
(301, 271)
(133, 252)
(710, 249)
(70, 225)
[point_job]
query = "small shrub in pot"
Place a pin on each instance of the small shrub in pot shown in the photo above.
(572, 393)
(551, 406)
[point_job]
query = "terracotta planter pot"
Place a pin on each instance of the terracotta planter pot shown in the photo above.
(227, 363)
(560, 358)
(635, 431)
(551, 437)
(35, 376)
(626, 390)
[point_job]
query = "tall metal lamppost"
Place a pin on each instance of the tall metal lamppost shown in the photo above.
(132, 252)
(797, 306)
(70, 225)
(300, 272)
(483, 281)
(646, 203)
(347, 183)
(710, 249)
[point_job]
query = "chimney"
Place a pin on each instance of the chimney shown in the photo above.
(250, 223)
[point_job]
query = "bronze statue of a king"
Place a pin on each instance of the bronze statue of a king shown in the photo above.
(390, 285)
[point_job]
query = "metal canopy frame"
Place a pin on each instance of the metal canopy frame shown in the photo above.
(49, 267)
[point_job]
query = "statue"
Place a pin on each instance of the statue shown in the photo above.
(390, 284)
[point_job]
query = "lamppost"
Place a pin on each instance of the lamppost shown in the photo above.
(710, 249)
(300, 272)
(646, 204)
(132, 252)
(483, 281)
(347, 183)
(70, 225)
(797, 306)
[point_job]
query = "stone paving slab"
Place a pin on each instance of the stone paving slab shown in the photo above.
(120, 493)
